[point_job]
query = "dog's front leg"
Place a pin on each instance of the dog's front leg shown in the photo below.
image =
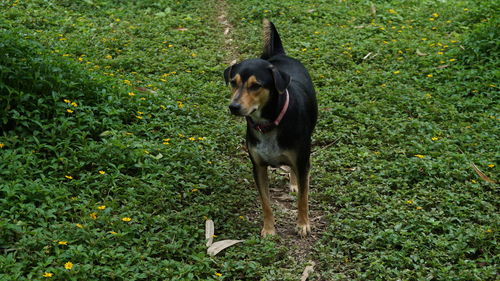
(262, 182)
(303, 223)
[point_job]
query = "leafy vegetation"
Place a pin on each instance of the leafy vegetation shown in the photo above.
(116, 145)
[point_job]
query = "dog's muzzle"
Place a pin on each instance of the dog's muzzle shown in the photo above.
(235, 108)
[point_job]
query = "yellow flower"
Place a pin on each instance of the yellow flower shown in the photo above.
(396, 72)
(435, 138)
(131, 94)
(192, 139)
(409, 201)
(69, 110)
(193, 55)
(170, 45)
(465, 9)
(440, 53)
(80, 59)
(109, 57)
(102, 172)
(241, 217)
(218, 274)
(69, 177)
(392, 11)
(305, 49)
(491, 165)
(112, 232)
(126, 219)
(47, 274)
(63, 243)
(93, 216)
(429, 75)
(473, 181)
(102, 207)
(201, 138)
(127, 82)
(419, 156)
(138, 117)
(67, 101)
(74, 104)
(435, 15)
(68, 265)
(419, 208)
(452, 59)
(194, 190)
(79, 225)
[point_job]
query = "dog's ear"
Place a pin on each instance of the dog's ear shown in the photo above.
(227, 72)
(281, 79)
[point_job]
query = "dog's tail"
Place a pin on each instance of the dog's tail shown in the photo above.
(272, 41)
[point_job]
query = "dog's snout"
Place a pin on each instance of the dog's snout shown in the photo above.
(235, 108)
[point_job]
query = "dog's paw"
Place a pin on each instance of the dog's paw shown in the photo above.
(294, 188)
(303, 229)
(268, 231)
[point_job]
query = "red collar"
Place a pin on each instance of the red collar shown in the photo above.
(266, 127)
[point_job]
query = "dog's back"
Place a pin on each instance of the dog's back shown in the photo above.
(274, 52)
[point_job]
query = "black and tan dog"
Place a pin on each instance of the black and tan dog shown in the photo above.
(276, 95)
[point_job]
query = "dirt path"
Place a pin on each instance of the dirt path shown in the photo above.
(283, 203)
(228, 29)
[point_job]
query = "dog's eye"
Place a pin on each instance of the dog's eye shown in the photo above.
(254, 87)
(233, 84)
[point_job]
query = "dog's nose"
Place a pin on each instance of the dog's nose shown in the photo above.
(235, 108)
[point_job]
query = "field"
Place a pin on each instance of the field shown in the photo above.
(116, 144)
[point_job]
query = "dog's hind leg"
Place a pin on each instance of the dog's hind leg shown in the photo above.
(293, 181)
(262, 182)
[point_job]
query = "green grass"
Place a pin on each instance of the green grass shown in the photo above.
(148, 136)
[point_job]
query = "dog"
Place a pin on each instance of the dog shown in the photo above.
(276, 96)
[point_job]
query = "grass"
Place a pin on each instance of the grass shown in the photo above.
(116, 144)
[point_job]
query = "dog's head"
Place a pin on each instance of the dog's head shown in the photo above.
(252, 83)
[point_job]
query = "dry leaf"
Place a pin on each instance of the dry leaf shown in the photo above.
(181, 28)
(442, 66)
(420, 53)
(373, 10)
(308, 270)
(145, 90)
(481, 174)
(367, 55)
(209, 232)
(221, 245)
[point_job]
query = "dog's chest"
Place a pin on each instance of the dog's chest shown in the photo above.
(267, 149)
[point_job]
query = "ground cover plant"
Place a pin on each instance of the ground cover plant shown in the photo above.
(116, 144)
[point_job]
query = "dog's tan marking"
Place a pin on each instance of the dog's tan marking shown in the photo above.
(237, 82)
(301, 183)
(250, 99)
(262, 182)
